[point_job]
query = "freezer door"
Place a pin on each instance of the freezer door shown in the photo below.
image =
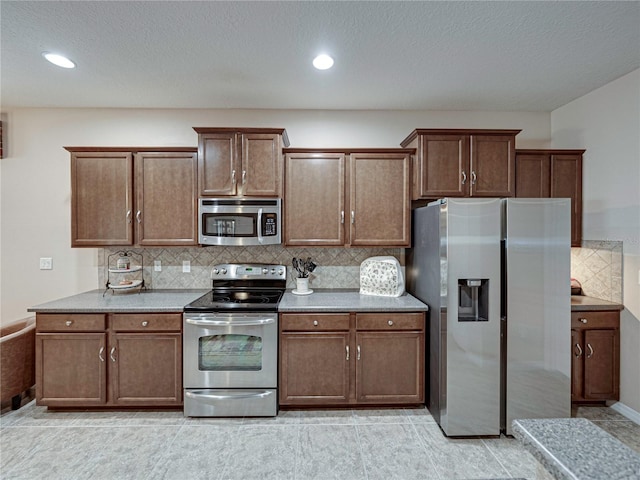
(538, 308)
(470, 325)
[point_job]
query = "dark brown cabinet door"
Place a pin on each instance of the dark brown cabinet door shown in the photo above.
(261, 166)
(390, 367)
(577, 365)
(601, 370)
(217, 154)
(314, 368)
(71, 369)
(166, 198)
(443, 166)
(314, 199)
(380, 200)
(146, 369)
(101, 199)
(533, 175)
(566, 182)
(492, 169)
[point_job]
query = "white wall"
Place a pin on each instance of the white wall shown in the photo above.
(35, 191)
(606, 122)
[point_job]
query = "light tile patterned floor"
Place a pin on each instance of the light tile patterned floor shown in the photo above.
(297, 445)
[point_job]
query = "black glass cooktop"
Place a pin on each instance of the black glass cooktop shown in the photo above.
(224, 299)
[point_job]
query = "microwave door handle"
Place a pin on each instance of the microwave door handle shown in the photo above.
(259, 226)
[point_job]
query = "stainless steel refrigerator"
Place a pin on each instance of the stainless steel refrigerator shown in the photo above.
(495, 274)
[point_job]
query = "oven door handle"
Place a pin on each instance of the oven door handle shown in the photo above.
(239, 395)
(227, 322)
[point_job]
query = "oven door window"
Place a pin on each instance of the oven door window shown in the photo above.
(230, 352)
(230, 224)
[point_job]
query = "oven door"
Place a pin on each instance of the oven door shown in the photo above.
(230, 350)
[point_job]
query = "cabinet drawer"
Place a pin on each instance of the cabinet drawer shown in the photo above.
(141, 322)
(390, 321)
(592, 319)
(70, 322)
(316, 322)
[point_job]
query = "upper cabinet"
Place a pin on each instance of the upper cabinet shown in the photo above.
(462, 163)
(338, 197)
(240, 161)
(144, 196)
(553, 174)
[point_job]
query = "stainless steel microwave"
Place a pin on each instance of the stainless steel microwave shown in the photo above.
(239, 221)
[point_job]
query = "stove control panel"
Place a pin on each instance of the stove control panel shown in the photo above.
(249, 271)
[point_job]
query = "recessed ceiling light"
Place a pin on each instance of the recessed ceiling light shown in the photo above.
(59, 60)
(323, 62)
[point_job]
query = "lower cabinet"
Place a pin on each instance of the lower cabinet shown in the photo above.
(100, 360)
(595, 359)
(351, 358)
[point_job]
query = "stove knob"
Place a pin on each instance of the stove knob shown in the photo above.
(280, 272)
(265, 271)
(214, 271)
(223, 271)
(273, 271)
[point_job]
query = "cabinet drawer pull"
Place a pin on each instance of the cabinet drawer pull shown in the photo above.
(347, 347)
(473, 177)
(145, 323)
(68, 323)
(464, 177)
(315, 323)
(590, 354)
(583, 320)
(113, 350)
(358, 352)
(579, 354)
(100, 354)
(390, 323)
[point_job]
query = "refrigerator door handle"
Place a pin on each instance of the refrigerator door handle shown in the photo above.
(579, 354)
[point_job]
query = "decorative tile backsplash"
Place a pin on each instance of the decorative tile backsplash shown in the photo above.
(597, 265)
(337, 267)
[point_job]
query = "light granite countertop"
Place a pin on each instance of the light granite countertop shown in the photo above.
(175, 300)
(577, 449)
(348, 300)
(581, 303)
(145, 301)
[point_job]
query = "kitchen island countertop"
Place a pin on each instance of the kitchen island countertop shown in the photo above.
(581, 303)
(575, 448)
(134, 302)
(348, 300)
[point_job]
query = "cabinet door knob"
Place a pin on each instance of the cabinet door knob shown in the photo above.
(113, 350)
(357, 352)
(583, 320)
(145, 323)
(473, 177)
(464, 177)
(138, 216)
(244, 177)
(68, 323)
(353, 216)
(347, 352)
(390, 323)
(128, 216)
(233, 177)
(100, 354)
(315, 323)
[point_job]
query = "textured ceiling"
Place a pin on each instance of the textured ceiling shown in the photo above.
(531, 56)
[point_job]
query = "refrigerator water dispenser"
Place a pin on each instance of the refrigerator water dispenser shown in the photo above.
(473, 300)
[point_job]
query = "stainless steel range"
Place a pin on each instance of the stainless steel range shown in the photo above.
(230, 343)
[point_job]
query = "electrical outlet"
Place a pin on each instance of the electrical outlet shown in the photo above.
(186, 266)
(46, 263)
(157, 266)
